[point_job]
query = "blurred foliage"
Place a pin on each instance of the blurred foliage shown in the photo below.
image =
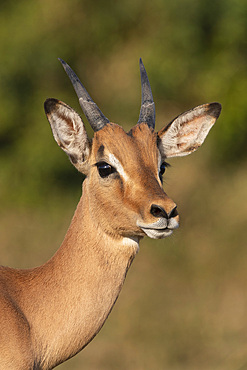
(194, 52)
(184, 304)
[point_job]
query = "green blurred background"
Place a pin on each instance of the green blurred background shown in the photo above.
(184, 304)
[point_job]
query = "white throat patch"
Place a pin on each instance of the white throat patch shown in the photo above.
(131, 242)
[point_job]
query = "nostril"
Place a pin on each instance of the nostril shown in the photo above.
(158, 211)
(173, 212)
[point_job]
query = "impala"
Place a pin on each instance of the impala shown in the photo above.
(50, 313)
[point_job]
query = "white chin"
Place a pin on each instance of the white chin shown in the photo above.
(157, 234)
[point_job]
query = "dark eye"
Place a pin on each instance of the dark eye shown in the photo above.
(163, 168)
(105, 169)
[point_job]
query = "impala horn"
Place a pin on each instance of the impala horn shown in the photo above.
(147, 112)
(92, 112)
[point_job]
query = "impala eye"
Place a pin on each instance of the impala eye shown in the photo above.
(163, 168)
(105, 169)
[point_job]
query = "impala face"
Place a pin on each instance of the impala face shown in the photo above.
(126, 178)
(124, 170)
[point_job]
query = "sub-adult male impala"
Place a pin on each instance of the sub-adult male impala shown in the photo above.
(49, 313)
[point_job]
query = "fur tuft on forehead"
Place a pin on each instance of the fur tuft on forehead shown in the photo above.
(112, 138)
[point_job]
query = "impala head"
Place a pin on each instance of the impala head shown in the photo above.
(124, 169)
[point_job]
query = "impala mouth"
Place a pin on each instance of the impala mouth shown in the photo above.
(160, 229)
(157, 233)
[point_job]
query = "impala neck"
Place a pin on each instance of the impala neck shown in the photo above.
(74, 292)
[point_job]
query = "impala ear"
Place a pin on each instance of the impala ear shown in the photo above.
(69, 132)
(188, 131)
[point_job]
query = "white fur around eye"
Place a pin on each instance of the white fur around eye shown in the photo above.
(115, 163)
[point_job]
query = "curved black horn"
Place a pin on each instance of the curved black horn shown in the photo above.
(92, 112)
(147, 112)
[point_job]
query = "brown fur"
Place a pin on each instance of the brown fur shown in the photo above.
(49, 313)
(56, 309)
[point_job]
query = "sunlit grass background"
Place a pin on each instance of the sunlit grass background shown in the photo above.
(184, 303)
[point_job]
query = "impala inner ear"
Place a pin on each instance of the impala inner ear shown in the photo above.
(187, 132)
(69, 132)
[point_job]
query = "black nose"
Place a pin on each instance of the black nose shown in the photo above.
(158, 211)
